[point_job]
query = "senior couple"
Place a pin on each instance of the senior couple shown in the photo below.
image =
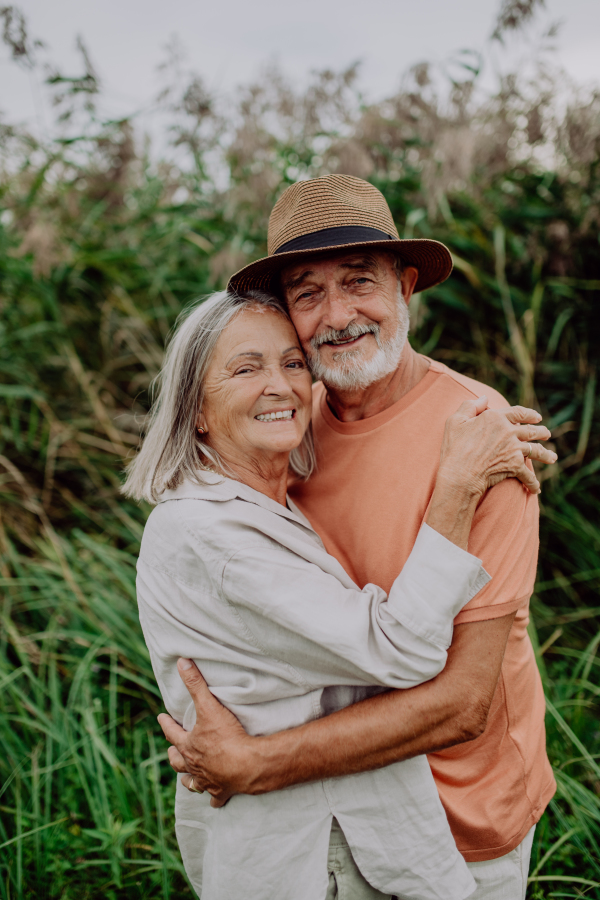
(349, 566)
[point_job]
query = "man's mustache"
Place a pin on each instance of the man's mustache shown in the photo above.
(354, 330)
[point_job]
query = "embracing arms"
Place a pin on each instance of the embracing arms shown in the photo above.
(449, 710)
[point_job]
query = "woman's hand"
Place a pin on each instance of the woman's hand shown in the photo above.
(481, 447)
(484, 446)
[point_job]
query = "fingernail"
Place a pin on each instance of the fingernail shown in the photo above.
(184, 664)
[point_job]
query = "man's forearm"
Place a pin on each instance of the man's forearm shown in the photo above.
(367, 735)
(390, 727)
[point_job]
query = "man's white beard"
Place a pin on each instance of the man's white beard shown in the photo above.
(351, 372)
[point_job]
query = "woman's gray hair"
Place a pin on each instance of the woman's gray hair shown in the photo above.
(173, 450)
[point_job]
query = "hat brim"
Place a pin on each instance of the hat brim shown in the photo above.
(432, 259)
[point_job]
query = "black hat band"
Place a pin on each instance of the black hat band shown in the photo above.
(334, 237)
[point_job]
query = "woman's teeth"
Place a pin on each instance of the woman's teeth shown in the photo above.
(270, 417)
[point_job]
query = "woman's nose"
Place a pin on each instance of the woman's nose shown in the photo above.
(277, 382)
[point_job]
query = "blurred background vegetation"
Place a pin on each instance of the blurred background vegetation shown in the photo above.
(102, 244)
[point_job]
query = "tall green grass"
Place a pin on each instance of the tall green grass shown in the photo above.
(100, 248)
(86, 798)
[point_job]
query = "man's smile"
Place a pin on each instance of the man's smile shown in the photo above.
(342, 342)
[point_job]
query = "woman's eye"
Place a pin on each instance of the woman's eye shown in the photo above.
(244, 370)
(295, 364)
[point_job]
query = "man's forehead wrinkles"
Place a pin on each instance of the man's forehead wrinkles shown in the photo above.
(362, 261)
(366, 263)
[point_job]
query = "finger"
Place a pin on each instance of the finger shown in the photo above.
(173, 732)
(468, 409)
(218, 802)
(189, 672)
(176, 760)
(192, 678)
(527, 477)
(542, 454)
(532, 433)
(207, 705)
(193, 783)
(481, 404)
(522, 415)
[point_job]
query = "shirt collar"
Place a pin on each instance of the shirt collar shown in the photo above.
(214, 487)
(218, 488)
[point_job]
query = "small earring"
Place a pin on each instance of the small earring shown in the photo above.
(201, 430)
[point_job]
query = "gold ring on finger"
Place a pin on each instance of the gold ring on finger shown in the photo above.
(192, 787)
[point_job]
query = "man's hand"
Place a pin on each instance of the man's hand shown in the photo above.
(451, 709)
(216, 737)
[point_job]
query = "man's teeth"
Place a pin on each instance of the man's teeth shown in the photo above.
(345, 340)
(270, 417)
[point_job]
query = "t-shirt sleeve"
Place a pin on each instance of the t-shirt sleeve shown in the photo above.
(505, 536)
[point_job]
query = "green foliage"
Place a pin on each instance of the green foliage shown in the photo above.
(100, 248)
(86, 796)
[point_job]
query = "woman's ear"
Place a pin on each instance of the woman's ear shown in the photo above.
(201, 424)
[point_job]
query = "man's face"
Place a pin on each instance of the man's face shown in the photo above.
(350, 316)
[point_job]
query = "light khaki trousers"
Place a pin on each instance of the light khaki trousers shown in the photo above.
(496, 879)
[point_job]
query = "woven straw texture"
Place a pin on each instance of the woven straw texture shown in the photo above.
(330, 202)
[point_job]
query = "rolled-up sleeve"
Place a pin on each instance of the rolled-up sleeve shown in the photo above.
(344, 635)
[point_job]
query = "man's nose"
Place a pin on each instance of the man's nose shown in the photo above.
(339, 310)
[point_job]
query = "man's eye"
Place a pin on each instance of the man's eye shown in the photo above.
(361, 280)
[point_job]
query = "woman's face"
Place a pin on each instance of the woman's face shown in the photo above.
(258, 388)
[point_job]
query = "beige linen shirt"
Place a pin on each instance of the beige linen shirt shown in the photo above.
(244, 586)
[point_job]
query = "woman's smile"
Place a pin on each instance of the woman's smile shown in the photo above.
(279, 415)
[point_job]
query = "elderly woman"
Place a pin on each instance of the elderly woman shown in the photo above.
(232, 576)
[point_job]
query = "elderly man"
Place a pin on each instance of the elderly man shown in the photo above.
(379, 413)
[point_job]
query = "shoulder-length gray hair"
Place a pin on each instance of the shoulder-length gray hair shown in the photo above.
(173, 450)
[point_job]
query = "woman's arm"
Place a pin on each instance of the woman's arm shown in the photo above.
(331, 632)
(480, 448)
(335, 634)
(388, 728)
(449, 709)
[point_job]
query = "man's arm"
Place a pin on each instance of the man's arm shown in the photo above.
(449, 710)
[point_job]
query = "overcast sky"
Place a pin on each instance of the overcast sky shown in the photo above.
(227, 42)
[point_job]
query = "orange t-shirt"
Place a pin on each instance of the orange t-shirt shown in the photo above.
(367, 501)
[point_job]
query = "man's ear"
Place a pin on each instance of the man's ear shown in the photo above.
(408, 280)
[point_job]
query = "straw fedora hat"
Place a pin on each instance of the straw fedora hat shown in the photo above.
(331, 213)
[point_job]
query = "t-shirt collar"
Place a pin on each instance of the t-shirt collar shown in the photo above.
(362, 426)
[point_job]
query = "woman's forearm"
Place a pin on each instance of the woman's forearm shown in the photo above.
(451, 510)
